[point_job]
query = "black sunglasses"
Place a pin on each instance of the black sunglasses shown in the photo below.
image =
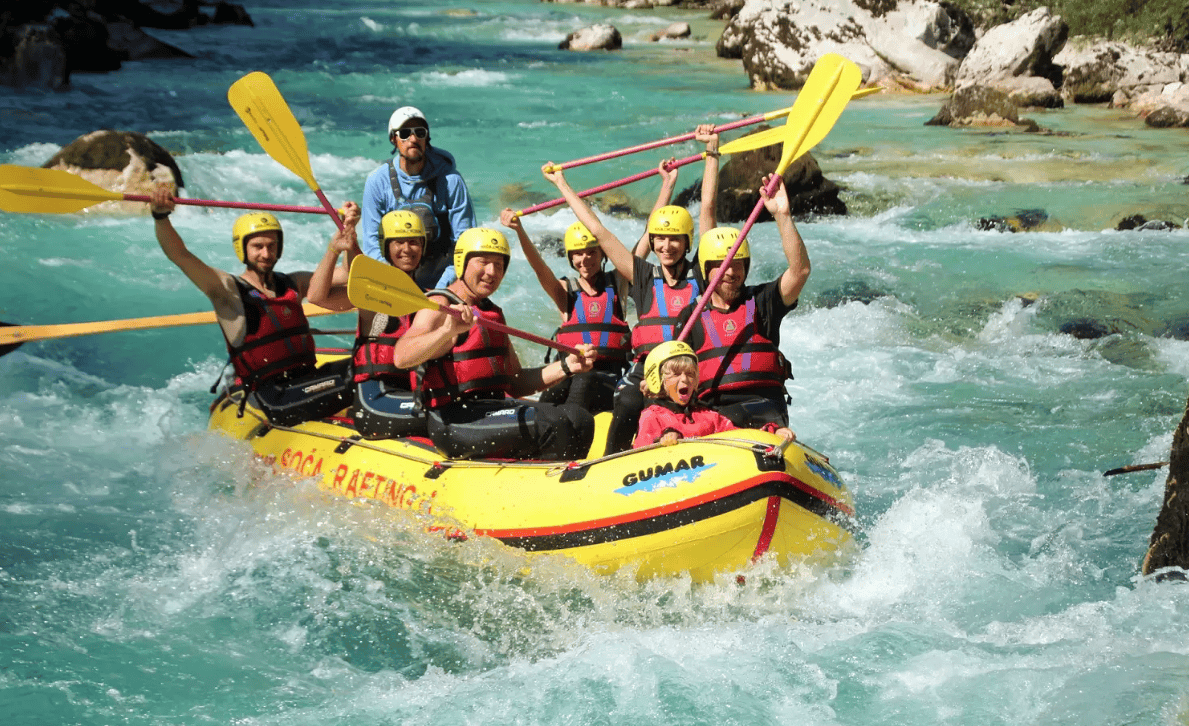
(404, 134)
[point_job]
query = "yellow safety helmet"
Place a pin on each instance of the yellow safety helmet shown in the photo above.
(579, 238)
(477, 241)
(674, 220)
(714, 246)
(401, 224)
(667, 350)
(254, 223)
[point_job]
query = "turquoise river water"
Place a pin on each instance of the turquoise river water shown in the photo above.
(143, 581)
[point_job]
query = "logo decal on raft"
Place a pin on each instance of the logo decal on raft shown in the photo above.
(665, 475)
(823, 471)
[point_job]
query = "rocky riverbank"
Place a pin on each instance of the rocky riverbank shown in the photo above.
(1029, 60)
(43, 42)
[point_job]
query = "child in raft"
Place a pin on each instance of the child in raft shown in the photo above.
(671, 380)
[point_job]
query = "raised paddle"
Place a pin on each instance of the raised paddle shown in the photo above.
(262, 109)
(53, 191)
(382, 288)
(770, 116)
(13, 336)
(823, 97)
(747, 143)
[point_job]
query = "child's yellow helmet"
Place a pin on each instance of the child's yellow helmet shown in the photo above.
(667, 350)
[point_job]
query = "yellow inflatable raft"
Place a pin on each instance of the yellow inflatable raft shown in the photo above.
(704, 506)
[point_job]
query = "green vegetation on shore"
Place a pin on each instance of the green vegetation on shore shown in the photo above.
(1163, 24)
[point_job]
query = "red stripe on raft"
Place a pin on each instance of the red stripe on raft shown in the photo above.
(769, 528)
(666, 509)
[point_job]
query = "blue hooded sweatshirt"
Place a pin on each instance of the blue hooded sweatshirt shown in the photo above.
(451, 205)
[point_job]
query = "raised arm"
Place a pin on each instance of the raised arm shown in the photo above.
(707, 218)
(213, 283)
(549, 282)
(668, 184)
(327, 286)
(795, 277)
(612, 247)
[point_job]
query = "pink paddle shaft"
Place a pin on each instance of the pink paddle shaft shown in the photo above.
(722, 269)
(234, 205)
(501, 328)
(664, 142)
(612, 185)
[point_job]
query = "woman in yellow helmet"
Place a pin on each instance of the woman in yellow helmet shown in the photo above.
(659, 292)
(385, 405)
(591, 305)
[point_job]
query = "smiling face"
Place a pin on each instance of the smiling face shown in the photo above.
(260, 252)
(679, 379)
(484, 272)
(670, 248)
(405, 252)
(587, 262)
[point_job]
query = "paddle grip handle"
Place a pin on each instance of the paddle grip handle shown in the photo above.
(334, 214)
(233, 205)
(670, 140)
(611, 185)
(722, 269)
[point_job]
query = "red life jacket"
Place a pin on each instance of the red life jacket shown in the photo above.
(373, 353)
(661, 315)
(278, 339)
(597, 320)
(476, 365)
(734, 356)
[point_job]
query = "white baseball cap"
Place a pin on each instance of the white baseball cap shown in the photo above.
(403, 114)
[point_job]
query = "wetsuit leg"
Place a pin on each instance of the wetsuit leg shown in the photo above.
(512, 429)
(592, 390)
(752, 411)
(625, 417)
(384, 411)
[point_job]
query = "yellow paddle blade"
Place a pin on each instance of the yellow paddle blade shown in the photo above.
(826, 92)
(768, 137)
(382, 288)
(260, 105)
(18, 334)
(48, 191)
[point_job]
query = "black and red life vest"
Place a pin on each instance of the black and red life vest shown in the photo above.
(477, 365)
(597, 320)
(658, 322)
(734, 356)
(278, 340)
(373, 353)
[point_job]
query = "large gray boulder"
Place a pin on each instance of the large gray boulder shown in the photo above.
(1024, 47)
(593, 37)
(1101, 71)
(979, 105)
(914, 41)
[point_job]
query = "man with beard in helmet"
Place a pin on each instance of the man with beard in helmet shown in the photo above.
(737, 336)
(422, 179)
(471, 374)
(260, 314)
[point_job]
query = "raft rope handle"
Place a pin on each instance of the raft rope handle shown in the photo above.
(554, 469)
